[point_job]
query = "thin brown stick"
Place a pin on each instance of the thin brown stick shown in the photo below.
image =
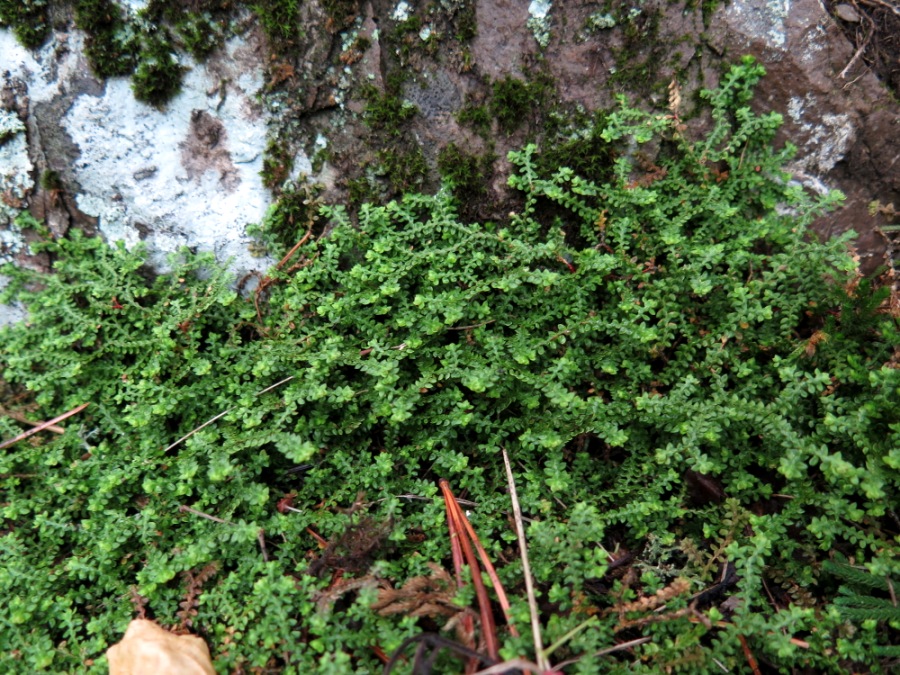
(261, 536)
(290, 254)
(492, 573)
(468, 625)
(474, 325)
(861, 49)
(43, 425)
(507, 666)
(19, 417)
(882, 3)
(188, 509)
(526, 567)
(751, 660)
(607, 650)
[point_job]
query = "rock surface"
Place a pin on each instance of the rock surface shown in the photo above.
(189, 174)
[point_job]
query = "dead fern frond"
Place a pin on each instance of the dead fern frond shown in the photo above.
(193, 585)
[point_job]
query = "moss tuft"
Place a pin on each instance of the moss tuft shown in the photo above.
(280, 19)
(386, 111)
(467, 173)
(513, 99)
(278, 162)
(158, 76)
(27, 19)
(111, 49)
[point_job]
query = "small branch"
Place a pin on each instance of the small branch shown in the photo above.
(19, 417)
(510, 666)
(188, 509)
(882, 3)
(290, 254)
(861, 49)
(261, 536)
(751, 660)
(43, 425)
(607, 650)
(461, 502)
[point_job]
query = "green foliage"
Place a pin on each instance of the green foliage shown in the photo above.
(386, 110)
(618, 331)
(468, 174)
(475, 116)
(28, 20)
(278, 162)
(514, 100)
(201, 29)
(112, 44)
(287, 219)
(158, 75)
(280, 19)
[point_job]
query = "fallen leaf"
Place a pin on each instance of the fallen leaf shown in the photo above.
(148, 649)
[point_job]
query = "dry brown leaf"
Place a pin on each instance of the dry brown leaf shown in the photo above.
(148, 649)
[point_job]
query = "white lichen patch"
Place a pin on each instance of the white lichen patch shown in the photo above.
(187, 175)
(15, 170)
(539, 21)
(760, 20)
(824, 141)
(401, 12)
(10, 314)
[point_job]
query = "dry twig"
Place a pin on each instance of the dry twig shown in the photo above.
(43, 425)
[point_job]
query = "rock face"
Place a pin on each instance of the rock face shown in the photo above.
(335, 105)
(845, 124)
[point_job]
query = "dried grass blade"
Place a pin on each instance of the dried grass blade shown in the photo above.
(222, 414)
(526, 567)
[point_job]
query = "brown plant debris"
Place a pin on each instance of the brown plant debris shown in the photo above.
(193, 585)
(352, 550)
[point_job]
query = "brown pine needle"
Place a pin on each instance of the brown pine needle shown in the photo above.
(488, 629)
(492, 573)
(526, 567)
(43, 425)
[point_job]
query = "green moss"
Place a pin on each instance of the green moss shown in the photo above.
(642, 52)
(469, 174)
(707, 8)
(514, 100)
(341, 12)
(404, 168)
(361, 44)
(200, 29)
(475, 116)
(280, 19)
(112, 45)
(361, 190)
(287, 219)
(386, 111)
(573, 139)
(158, 75)
(278, 162)
(27, 19)
(465, 21)
(51, 181)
